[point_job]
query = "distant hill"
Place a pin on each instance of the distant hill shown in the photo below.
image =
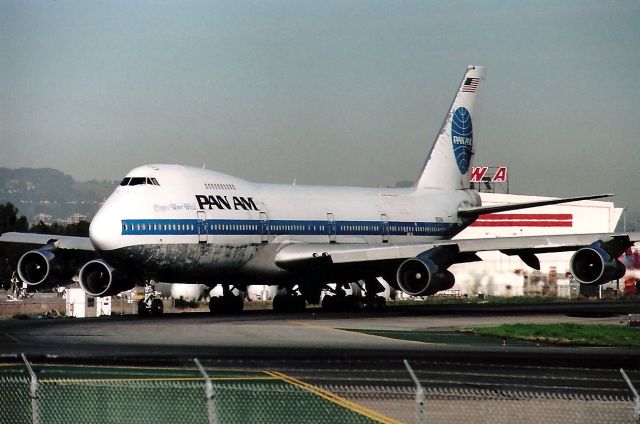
(51, 192)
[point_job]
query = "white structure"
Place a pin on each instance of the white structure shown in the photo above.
(501, 275)
(81, 305)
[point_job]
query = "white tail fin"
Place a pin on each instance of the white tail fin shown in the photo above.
(449, 161)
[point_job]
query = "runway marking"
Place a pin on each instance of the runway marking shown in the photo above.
(332, 397)
(97, 369)
(148, 368)
(351, 332)
(8, 364)
(14, 338)
(139, 379)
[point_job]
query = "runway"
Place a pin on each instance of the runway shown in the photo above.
(319, 348)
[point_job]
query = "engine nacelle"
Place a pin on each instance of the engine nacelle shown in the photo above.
(98, 278)
(594, 265)
(40, 267)
(421, 276)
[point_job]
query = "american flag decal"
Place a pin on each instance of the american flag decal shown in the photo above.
(470, 85)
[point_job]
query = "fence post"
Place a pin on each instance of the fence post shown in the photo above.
(208, 387)
(636, 396)
(421, 413)
(33, 392)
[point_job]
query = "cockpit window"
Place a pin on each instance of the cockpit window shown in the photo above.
(137, 181)
(131, 181)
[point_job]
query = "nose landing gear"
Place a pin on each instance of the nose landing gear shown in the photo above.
(151, 304)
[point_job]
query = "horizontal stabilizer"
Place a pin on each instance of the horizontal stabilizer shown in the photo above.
(476, 211)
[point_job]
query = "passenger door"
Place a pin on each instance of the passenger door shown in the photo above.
(331, 227)
(264, 227)
(385, 227)
(202, 227)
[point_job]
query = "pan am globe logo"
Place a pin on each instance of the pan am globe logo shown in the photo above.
(462, 138)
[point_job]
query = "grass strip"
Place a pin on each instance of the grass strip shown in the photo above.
(568, 334)
(450, 337)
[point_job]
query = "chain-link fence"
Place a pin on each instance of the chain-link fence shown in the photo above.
(279, 398)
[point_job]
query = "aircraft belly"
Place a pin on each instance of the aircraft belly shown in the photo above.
(188, 261)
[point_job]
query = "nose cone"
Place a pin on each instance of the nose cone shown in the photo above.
(105, 229)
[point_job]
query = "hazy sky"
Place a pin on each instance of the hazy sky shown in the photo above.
(331, 92)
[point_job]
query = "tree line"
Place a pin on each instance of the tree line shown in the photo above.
(10, 220)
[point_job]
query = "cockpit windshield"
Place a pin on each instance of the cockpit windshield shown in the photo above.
(131, 181)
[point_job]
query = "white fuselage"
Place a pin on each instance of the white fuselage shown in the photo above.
(187, 224)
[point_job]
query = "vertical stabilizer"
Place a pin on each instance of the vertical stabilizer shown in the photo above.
(449, 161)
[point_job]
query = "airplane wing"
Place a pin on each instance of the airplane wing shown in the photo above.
(45, 259)
(17, 243)
(299, 256)
(474, 212)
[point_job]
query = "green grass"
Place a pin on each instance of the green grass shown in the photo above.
(570, 334)
(104, 394)
(522, 335)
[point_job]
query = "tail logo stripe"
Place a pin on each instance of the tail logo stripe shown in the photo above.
(462, 138)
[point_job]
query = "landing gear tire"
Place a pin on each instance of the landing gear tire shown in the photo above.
(142, 308)
(288, 303)
(299, 304)
(280, 303)
(376, 303)
(337, 303)
(237, 304)
(226, 305)
(328, 303)
(157, 307)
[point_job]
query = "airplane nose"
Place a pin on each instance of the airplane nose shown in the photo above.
(105, 229)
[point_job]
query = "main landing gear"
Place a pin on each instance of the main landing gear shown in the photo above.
(289, 301)
(151, 304)
(341, 302)
(228, 303)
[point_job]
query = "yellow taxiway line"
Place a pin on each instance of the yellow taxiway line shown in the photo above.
(332, 397)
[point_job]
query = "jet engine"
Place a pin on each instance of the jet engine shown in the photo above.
(98, 278)
(39, 267)
(595, 265)
(422, 276)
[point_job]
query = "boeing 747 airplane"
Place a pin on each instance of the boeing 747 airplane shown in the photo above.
(182, 224)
